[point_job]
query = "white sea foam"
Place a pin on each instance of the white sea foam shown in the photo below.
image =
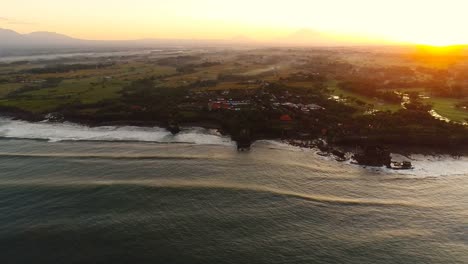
(277, 144)
(440, 165)
(73, 132)
(428, 165)
(424, 165)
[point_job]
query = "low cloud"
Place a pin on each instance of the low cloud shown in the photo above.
(11, 21)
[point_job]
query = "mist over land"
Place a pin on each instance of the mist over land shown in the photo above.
(14, 43)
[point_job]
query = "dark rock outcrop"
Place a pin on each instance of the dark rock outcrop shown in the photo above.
(374, 156)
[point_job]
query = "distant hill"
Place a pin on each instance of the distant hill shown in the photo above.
(13, 43)
(12, 39)
(44, 37)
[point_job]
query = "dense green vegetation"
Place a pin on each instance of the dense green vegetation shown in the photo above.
(64, 68)
(268, 93)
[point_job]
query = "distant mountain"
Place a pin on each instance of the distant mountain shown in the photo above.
(49, 38)
(10, 37)
(4, 33)
(13, 43)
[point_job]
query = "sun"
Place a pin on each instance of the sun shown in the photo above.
(439, 56)
(440, 43)
(440, 49)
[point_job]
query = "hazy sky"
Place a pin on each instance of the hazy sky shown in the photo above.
(422, 21)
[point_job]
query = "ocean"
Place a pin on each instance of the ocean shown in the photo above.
(74, 194)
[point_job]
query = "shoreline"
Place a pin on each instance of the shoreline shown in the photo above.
(405, 151)
(311, 143)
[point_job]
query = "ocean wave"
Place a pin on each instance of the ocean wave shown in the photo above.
(424, 165)
(105, 156)
(281, 145)
(56, 132)
(214, 186)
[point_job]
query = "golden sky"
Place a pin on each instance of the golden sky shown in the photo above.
(435, 22)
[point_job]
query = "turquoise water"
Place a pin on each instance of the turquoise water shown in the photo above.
(96, 201)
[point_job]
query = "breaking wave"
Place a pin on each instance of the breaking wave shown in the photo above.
(55, 132)
(439, 165)
(217, 186)
(427, 166)
(424, 165)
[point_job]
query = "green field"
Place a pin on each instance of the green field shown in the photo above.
(443, 106)
(7, 88)
(87, 91)
(378, 104)
(38, 105)
(92, 85)
(85, 86)
(446, 108)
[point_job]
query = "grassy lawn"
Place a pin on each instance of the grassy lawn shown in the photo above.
(7, 88)
(446, 108)
(135, 71)
(207, 73)
(131, 71)
(75, 74)
(378, 105)
(35, 105)
(443, 106)
(233, 86)
(6, 69)
(109, 90)
(307, 85)
(65, 88)
(87, 91)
